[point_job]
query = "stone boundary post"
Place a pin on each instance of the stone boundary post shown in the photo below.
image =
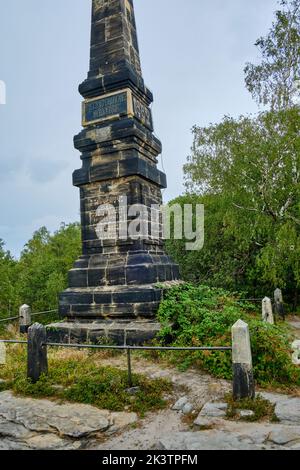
(243, 380)
(278, 302)
(37, 362)
(24, 318)
(267, 311)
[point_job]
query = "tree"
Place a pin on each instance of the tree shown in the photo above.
(275, 81)
(44, 265)
(253, 166)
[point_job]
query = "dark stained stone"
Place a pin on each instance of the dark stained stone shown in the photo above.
(37, 363)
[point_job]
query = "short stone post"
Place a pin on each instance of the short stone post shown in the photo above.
(37, 362)
(24, 318)
(278, 302)
(2, 354)
(243, 380)
(267, 311)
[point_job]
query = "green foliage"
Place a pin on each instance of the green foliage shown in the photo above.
(8, 272)
(203, 316)
(276, 79)
(84, 381)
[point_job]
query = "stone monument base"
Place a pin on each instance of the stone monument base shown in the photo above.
(118, 332)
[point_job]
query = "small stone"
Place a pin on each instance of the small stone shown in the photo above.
(121, 420)
(180, 404)
(133, 390)
(187, 409)
(214, 410)
(246, 413)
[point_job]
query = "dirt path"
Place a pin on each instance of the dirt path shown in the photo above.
(198, 386)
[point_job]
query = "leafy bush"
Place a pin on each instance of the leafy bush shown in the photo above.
(203, 316)
(79, 378)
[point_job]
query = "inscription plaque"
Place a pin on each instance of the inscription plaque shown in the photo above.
(104, 108)
(114, 106)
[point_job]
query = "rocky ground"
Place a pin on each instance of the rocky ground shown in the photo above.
(195, 419)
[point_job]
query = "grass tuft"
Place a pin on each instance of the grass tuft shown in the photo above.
(78, 378)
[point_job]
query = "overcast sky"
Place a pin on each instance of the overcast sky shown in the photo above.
(193, 54)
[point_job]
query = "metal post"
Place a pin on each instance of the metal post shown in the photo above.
(130, 383)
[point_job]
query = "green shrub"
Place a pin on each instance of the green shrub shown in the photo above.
(203, 316)
(261, 408)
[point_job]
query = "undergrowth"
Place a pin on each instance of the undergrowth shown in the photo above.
(80, 379)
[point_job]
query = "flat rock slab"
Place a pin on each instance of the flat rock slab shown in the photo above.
(203, 422)
(26, 423)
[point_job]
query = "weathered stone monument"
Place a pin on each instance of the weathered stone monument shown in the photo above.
(113, 289)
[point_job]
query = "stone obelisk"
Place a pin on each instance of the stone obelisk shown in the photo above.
(113, 289)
